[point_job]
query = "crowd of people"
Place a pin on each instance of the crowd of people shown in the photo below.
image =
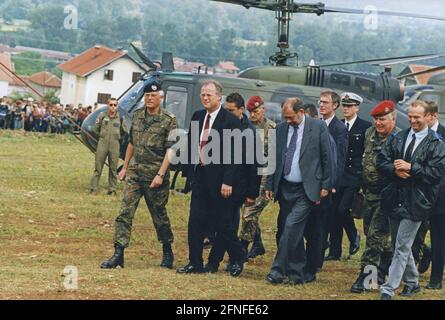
(34, 116)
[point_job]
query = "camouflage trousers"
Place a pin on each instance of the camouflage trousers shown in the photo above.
(102, 153)
(250, 216)
(156, 200)
(378, 250)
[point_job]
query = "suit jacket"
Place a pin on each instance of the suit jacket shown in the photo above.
(338, 131)
(352, 175)
(315, 158)
(220, 173)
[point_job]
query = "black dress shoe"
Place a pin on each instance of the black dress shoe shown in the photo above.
(359, 285)
(385, 296)
(408, 291)
(237, 269)
(293, 282)
(355, 245)
(309, 277)
(271, 279)
(434, 286)
(331, 258)
(209, 268)
(425, 262)
(190, 269)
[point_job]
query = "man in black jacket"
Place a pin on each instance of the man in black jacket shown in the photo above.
(413, 163)
(215, 183)
(351, 180)
(437, 215)
(250, 179)
(329, 102)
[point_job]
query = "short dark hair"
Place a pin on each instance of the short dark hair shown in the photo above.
(432, 107)
(334, 96)
(311, 110)
(296, 103)
(236, 98)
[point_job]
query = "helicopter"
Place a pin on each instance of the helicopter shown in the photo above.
(274, 83)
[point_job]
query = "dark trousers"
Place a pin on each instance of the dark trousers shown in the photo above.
(219, 212)
(341, 219)
(315, 235)
(295, 208)
(437, 234)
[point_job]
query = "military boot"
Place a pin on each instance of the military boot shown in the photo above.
(167, 256)
(359, 284)
(117, 260)
(257, 246)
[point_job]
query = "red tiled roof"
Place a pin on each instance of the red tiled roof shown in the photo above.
(91, 60)
(228, 65)
(46, 79)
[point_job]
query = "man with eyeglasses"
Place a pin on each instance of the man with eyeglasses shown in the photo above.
(108, 128)
(329, 102)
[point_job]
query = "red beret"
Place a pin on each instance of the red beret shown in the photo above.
(254, 102)
(383, 108)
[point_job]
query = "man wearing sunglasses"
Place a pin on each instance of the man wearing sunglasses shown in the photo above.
(108, 128)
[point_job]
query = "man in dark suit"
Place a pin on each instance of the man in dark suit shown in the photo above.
(329, 102)
(437, 215)
(301, 179)
(215, 183)
(249, 178)
(315, 229)
(351, 180)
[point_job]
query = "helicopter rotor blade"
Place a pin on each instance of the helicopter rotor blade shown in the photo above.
(388, 61)
(144, 58)
(413, 74)
(383, 12)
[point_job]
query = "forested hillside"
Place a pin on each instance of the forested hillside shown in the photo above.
(201, 30)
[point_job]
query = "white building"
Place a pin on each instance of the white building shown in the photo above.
(5, 76)
(97, 75)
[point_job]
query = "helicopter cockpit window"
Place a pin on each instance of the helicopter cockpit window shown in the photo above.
(365, 85)
(176, 103)
(341, 79)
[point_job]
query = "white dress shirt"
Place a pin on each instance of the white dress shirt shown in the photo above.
(351, 123)
(295, 172)
(328, 121)
(419, 137)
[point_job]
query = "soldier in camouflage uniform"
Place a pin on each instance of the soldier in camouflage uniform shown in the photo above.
(108, 128)
(147, 175)
(250, 214)
(378, 251)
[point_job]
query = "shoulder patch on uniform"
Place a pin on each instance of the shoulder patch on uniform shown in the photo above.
(272, 125)
(100, 117)
(169, 114)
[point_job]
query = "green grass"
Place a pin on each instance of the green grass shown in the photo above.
(45, 178)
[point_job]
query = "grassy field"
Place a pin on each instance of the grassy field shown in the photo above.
(48, 221)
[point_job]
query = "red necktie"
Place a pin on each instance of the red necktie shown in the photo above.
(205, 137)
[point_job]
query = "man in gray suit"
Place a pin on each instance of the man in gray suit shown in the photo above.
(301, 179)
